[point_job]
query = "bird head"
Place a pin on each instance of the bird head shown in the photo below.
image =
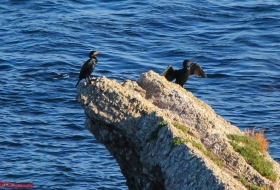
(93, 53)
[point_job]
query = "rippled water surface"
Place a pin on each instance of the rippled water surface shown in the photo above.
(44, 43)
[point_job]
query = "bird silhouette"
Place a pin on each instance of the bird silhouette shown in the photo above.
(182, 75)
(88, 67)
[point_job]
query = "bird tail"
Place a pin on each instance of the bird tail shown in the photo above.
(78, 82)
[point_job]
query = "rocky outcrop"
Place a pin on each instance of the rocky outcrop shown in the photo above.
(163, 137)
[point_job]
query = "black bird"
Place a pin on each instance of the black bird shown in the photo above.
(88, 67)
(182, 75)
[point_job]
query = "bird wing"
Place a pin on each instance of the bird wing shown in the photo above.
(85, 68)
(169, 73)
(87, 65)
(197, 70)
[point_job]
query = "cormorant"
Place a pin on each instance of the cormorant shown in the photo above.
(88, 67)
(183, 74)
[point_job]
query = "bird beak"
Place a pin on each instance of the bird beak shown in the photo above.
(95, 53)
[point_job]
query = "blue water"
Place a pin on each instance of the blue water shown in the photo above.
(44, 43)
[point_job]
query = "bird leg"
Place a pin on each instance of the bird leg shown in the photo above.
(88, 80)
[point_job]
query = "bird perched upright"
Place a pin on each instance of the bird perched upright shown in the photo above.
(88, 67)
(182, 75)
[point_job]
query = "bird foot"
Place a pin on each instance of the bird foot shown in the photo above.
(93, 79)
(90, 80)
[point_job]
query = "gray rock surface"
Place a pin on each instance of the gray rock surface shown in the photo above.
(127, 118)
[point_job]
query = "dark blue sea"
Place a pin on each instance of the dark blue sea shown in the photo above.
(43, 44)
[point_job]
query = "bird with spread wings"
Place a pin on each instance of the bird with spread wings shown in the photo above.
(182, 75)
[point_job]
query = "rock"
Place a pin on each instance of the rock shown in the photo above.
(159, 134)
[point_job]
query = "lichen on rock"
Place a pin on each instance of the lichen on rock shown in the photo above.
(138, 122)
